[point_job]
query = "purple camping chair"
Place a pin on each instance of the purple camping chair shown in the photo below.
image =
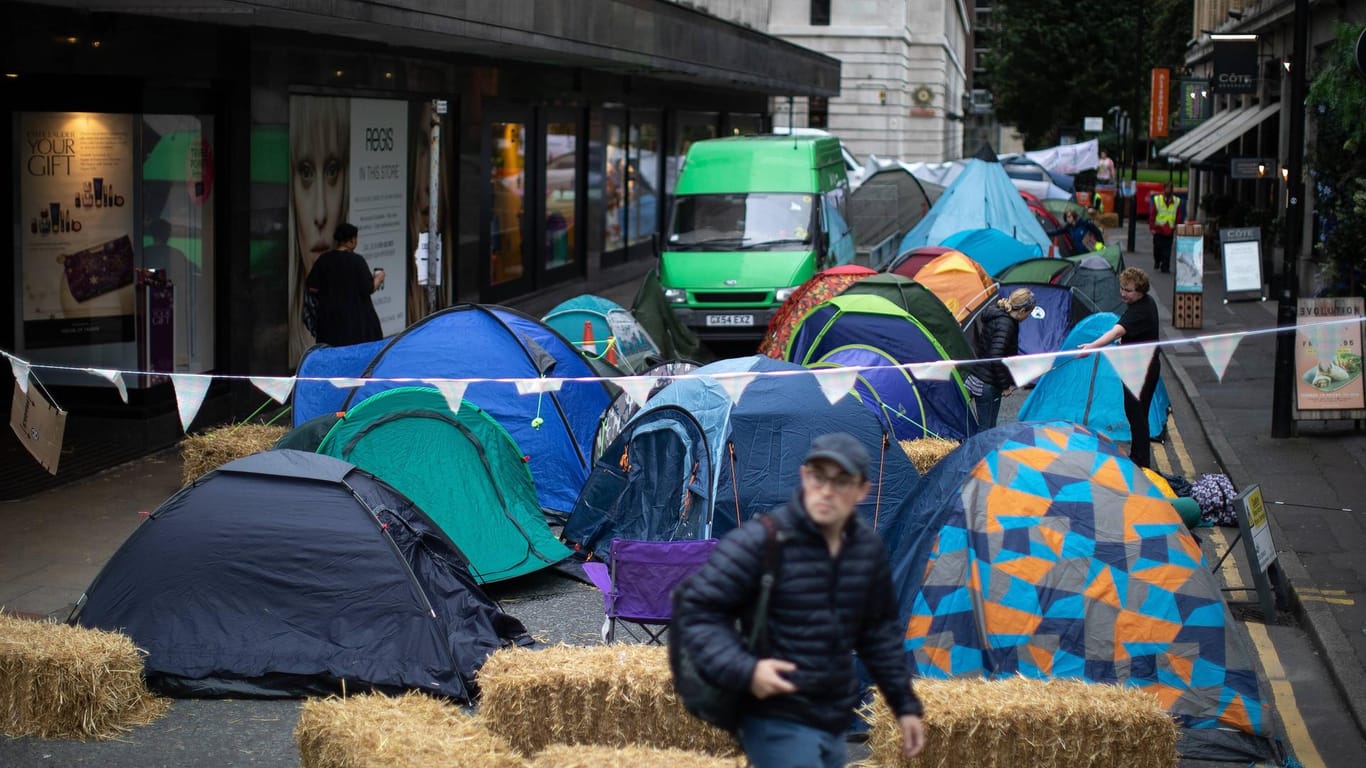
(638, 586)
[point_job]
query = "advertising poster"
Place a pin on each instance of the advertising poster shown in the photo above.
(1328, 355)
(347, 160)
(379, 195)
(1190, 263)
(76, 228)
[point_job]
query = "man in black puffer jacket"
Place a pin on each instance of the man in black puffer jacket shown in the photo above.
(833, 596)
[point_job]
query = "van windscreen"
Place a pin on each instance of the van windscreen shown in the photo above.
(733, 222)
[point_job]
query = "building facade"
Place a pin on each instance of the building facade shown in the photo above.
(175, 169)
(904, 86)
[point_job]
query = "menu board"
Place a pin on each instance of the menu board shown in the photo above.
(75, 228)
(1328, 355)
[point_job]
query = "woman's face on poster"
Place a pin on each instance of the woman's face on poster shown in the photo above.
(319, 185)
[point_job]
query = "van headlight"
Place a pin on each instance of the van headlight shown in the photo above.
(675, 295)
(783, 294)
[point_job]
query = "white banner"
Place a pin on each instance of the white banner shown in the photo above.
(379, 197)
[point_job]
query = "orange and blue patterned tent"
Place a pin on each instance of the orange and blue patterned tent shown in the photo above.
(1040, 549)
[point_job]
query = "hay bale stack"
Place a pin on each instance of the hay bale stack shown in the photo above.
(927, 451)
(587, 756)
(1106, 220)
(613, 695)
(62, 682)
(1021, 722)
(210, 450)
(413, 731)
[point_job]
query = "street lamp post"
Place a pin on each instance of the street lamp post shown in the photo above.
(1282, 423)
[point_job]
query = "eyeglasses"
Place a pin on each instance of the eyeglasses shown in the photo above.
(840, 481)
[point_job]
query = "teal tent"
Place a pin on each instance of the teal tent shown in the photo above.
(463, 469)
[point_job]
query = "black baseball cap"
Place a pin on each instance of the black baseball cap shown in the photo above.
(842, 448)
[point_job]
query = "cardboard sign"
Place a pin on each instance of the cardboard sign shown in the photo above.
(39, 425)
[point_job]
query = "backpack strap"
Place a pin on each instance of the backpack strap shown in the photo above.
(758, 633)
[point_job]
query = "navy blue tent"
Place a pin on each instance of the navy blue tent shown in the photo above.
(1056, 309)
(285, 573)
(693, 463)
(472, 341)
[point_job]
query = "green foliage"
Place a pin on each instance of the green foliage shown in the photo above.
(1337, 103)
(1053, 62)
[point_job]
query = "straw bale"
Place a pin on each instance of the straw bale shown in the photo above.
(210, 450)
(412, 731)
(1106, 220)
(613, 695)
(925, 452)
(58, 681)
(593, 756)
(1016, 722)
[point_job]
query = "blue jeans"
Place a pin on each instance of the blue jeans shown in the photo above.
(988, 406)
(772, 743)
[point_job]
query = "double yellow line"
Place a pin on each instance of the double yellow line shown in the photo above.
(1283, 693)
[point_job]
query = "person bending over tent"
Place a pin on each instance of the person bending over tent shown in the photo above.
(998, 337)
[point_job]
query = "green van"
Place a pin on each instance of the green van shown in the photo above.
(753, 218)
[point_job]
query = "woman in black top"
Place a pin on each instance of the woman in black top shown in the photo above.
(342, 282)
(1137, 326)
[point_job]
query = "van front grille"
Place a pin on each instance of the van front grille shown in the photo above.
(747, 297)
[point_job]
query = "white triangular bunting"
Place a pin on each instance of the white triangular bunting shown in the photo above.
(734, 385)
(1130, 361)
(636, 387)
(1219, 351)
(836, 382)
(277, 387)
(115, 378)
(20, 370)
(1026, 368)
(939, 370)
(346, 383)
(453, 391)
(189, 395)
(537, 386)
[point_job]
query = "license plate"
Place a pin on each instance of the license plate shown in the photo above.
(729, 321)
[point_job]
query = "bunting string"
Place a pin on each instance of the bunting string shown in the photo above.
(1218, 350)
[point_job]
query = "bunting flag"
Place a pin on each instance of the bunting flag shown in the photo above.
(277, 387)
(734, 384)
(939, 370)
(636, 387)
(20, 370)
(1026, 368)
(1219, 351)
(115, 378)
(453, 391)
(347, 383)
(190, 389)
(836, 382)
(1131, 363)
(537, 386)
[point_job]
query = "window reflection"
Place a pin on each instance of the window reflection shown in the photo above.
(508, 183)
(561, 184)
(614, 188)
(642, 179)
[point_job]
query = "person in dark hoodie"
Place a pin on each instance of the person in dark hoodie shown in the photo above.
(998, 337)
(832, 597)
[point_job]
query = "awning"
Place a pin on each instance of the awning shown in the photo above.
(1232, 131)
(1179, 149)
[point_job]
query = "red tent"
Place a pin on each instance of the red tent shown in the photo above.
(822, 285)
(910, 262)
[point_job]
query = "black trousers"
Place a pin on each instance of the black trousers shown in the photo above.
(1162, 253)
(1136, 410)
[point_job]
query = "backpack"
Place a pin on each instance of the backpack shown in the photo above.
(1215, 495)
(703, 700)
(310, 313)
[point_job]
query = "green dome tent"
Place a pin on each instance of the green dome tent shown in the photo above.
(462, 469)
(920, 303)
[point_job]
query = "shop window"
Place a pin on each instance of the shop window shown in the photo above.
(561, 194)
(507, 185)
(820, 13)
(614, 190)
(642, 183)
(692, 126)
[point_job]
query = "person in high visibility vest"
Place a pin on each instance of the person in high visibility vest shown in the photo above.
(1163, 216)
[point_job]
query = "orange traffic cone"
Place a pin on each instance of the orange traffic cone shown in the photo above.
(589, 345)
(612, 350)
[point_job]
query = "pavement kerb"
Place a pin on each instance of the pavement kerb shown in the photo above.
(1316, 617)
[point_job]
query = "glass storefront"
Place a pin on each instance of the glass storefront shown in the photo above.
(643, 180)
(507, 185)
(561, 194)
(115, 235)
